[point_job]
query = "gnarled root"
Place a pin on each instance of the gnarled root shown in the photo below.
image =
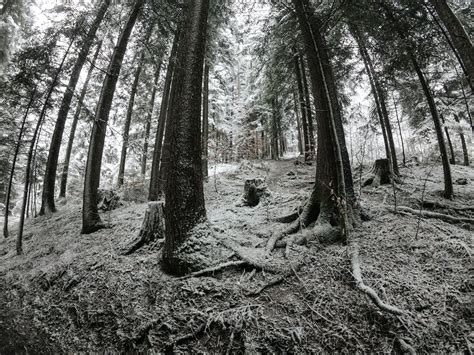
(353, 254)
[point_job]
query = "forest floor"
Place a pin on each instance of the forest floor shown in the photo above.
(73, 292)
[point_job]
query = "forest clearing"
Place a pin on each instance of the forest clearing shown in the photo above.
(236, 177)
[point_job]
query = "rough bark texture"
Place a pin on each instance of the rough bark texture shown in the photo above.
(128, 119)
(32, 152)
(298, 125)
(307, 107)
(47, 204)
(459, 36)
(448, 181)
(254, 190)
(75, 121)
(155, 184)
(12, 170)
(381, 174)
(91, 221)
(151, 107)
(400, 132)
(205, 123)
(184, 188)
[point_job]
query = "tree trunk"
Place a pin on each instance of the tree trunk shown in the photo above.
(400, 132)
(450, 143)
(128, 118)
(205, 123)
(307, 104)
(380, 103)
(459, 36)
(448, 182)
(15, 158)
(298, 124)
(91, 221)
(72, 133)
(155, 183)
(47, 204)
(31, 152)
(321, 204)
(304, 119)
(327, 77)
(184, 188)
(151, 107)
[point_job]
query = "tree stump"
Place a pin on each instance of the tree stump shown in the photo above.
(254, 190)
(153, 228)
(380, 174)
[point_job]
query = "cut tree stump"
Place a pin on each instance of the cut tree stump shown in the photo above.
(254, 190)
(108, 200)
(153, 228)
(380, 174)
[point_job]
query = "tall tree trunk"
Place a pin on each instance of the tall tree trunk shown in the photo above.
(379, 102)
(47, 204)
(205, 123)
(298, 124)
(400, 131)
(13, 166)
(307, 101)
(91, 221)
(327, 76)
(184, 188)
(304, 119)
(31, 152)
(128, 118)
(151, 107)
(459, 36)
(448, 181)
(156, 185)
(463, 143)
(77, 115)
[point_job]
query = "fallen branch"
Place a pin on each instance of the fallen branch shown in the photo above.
(435, 204)
(444, 217)
(353, 253)
(272, 283)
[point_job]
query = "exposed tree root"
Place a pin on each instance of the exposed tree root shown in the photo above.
(291, 217)
(353, 254)
(213, 269)
(153, 228)
(435, 204)
(404, 348)
(427, 214)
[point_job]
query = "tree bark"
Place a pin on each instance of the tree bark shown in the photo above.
(151, 106)
(304, 119)
(448, 138)
(91, 221)
(459, 36)
(155, 181)
(307, 105)
(205, 123)
(31, 152)
(448, 181)
(75, 121)
(185, 207)
(47, 204)
(15, 158)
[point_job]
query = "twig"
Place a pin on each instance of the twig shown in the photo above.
(422, 198)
